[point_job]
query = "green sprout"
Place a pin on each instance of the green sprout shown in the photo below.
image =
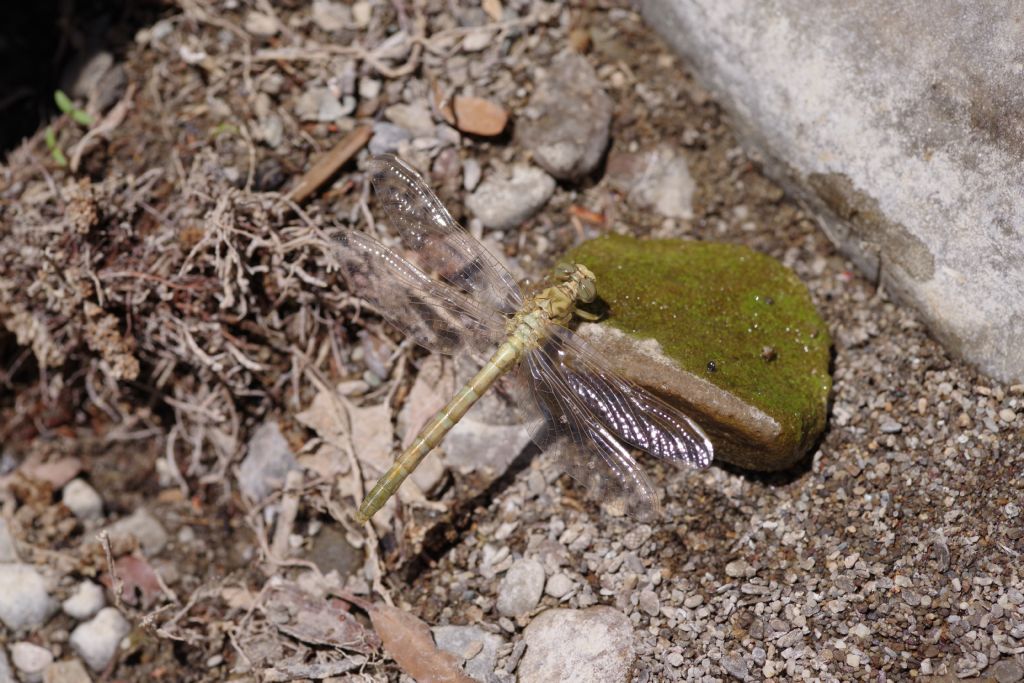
(79, 116)
(55, 150)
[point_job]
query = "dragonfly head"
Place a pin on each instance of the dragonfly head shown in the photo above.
(580, 275)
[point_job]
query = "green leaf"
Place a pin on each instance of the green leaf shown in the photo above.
(81, 117)
(64, 102)
(55, 151)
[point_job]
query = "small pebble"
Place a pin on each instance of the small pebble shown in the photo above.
(260, 24)
(87, 600)
(82, 500)
(330, 16)
(66, 671)
(739, 569)
(675, 659)
(144, 528)
(853, 660)
(693, 601)
(506, 203)
(890, 426)
(471, 173)
(521, 588)
(861, 631)
(558, 585)
(636, 536)
(30, 660)
(736, 665)
(96, 640)
(1007, 415)
(24, 600)
(415, 118)
(478, 116)
(321, 105)
(649, 603)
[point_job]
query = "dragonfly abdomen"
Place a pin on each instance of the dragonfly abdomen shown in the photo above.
(507, 355)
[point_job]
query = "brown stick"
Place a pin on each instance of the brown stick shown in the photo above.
(330, 163)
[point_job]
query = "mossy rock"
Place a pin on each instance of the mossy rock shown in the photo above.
(724, 332)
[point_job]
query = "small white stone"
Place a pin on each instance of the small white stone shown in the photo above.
(693, 601)
(96, 640)
(24, 600)
(559, 585)
(853, 660)
(362, 12)
(861, 631)
(87, 600)
(739, 569)
(521, 588)
(30, 660)
(260, 24)
(145, 528)
(82, 500)
(1007, 415)
(330, 16)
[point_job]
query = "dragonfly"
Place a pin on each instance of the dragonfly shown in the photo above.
(452, 296)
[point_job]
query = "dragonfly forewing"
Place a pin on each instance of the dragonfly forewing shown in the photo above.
(437, 316)
(438, 244)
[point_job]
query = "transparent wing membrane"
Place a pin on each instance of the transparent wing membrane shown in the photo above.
(583, 446)
(438, 244)
(631, 413)
(437, 316)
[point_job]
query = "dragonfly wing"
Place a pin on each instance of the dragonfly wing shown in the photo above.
(589, 451)
(630, 412)
(438, 243)
(434, 314)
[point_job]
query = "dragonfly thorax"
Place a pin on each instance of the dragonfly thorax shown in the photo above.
(554, 305)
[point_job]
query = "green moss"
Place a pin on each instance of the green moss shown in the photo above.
(726, 305)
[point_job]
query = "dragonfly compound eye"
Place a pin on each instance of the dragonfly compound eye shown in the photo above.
(587, 291)
(563, 271)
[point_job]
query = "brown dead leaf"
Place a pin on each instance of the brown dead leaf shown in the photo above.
(318, 621)
(409, 642)
(139, 583)
(57, 473)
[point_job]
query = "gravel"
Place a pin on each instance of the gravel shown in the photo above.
(96, 640)
(30, 660)
(24, 600)
(85, 602)
(477, 648)
(82, 500)
(144, 528)
(503, 203)
(521, 588)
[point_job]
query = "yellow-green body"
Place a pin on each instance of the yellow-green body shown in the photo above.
(527, 329)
